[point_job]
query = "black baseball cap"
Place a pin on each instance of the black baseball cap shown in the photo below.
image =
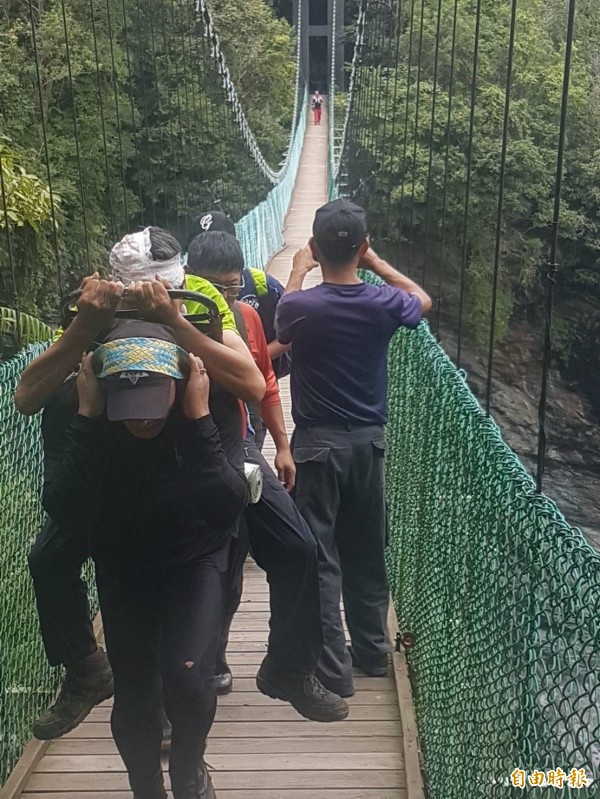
(151, 360)
(340, 227)
(137, 395)
(213, 220)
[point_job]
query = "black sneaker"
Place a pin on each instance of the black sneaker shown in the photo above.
(303, 691)
(82, 690)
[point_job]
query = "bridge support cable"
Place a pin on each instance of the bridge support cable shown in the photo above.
(468, 180)
(500, 212)
(415, 134)
(44, 142)
(386, 17)
(444, 214)
(111, 215)
(118, 119)
(76, 137)
(393, 95)
(406, 120)
(552, 265)
(132, 106)
(434, 95)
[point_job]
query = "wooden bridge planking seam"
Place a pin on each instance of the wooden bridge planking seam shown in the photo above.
(259, 748)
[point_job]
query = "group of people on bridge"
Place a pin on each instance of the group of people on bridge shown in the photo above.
(151, 421)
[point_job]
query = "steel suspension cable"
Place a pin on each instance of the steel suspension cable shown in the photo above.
(76, 136)
(38, 78)
(392, 136)
(171, 139)
(446, 167)
(146, 109)
(349, 120)
(431, 139)
(416, 135)
(102, 125)
(194, 68)
(386, 23)
(372, 110)
(159, 120)
(136, 148)
(499, 214)
(180, 124)
(552, 265)
(117, 113)
(468, 177)
(406, 115)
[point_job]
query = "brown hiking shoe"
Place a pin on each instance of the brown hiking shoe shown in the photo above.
(82, 689)
(303, 691)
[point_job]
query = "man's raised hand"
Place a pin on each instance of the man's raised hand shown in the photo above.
(153, 302)
(98, 302)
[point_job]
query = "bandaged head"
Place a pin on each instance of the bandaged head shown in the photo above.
(132, 259)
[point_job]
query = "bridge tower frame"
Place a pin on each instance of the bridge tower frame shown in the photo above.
(335, 38)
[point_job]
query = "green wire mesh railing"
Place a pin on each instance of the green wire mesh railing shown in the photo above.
(27, 682)
(499, 595)
(260, 231)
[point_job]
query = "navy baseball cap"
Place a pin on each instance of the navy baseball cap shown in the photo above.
(339, 228)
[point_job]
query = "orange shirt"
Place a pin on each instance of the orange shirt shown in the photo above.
(260, 353)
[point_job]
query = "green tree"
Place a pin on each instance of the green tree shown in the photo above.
(260, 55)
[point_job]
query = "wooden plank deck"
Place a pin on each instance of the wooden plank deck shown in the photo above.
(259, 748)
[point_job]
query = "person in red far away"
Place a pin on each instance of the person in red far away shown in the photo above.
(316, 105)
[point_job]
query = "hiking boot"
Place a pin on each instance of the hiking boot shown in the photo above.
(87, 682)
(223, 682)
(194, 783)
(375, 667)
(303, 691)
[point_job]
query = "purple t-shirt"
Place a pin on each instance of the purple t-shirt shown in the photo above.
(340, 336)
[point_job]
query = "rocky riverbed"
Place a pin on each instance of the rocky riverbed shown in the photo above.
(572, 477)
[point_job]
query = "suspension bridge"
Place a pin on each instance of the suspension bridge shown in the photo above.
(496, 596)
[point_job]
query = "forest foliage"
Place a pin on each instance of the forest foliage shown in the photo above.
(390, 163)
(112, 115)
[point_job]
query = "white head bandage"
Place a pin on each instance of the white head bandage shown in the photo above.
(131, 259)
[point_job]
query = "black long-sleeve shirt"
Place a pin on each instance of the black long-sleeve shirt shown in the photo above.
(172, 498)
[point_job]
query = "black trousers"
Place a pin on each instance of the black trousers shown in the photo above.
(284, 547)
(162, 627)
(340, 491)
(55, 563)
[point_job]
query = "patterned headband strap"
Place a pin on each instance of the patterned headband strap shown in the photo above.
(140, 355)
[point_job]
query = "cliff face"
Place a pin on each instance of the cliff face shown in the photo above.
(572, 477)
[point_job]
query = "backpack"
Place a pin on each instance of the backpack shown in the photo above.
(263, 292)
